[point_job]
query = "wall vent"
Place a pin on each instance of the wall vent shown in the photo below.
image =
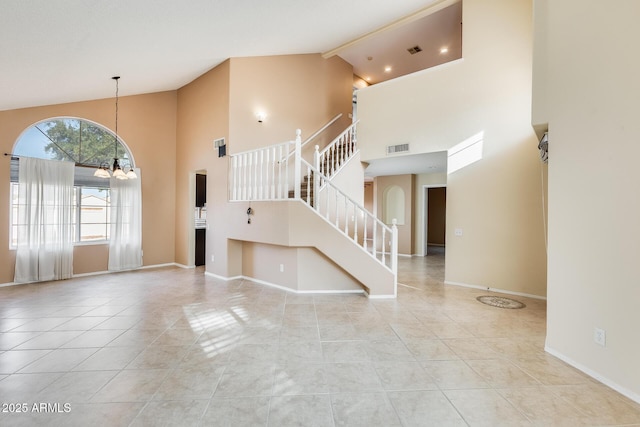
(221, 146)
(414, 50)
(395, 149)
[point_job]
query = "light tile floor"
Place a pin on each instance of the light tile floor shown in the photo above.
(174, 347)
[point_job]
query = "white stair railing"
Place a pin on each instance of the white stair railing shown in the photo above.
(265, 173)
(268, 174)
(351, 218)
(335, 155)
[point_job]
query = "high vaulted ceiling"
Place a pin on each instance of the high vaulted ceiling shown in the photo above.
(416, 43)
(64, 51)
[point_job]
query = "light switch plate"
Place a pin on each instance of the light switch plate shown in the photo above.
(600, 337)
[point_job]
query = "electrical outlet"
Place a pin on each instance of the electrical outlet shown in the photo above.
(458, 232)
(600, 336)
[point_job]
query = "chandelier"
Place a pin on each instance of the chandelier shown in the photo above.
(117, 171)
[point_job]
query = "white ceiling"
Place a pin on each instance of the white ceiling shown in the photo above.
(54, 52)
(64, 51)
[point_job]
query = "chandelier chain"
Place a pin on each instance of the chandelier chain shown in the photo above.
(116, 78)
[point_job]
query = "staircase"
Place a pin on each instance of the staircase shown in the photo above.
(335, 155)
(329, 161)
(274, 173)
(306, 190)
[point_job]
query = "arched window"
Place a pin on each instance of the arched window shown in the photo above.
(87, 144)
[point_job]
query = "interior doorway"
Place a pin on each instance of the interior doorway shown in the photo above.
(200, 218)
(434, 219)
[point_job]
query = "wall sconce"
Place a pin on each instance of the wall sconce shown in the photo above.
(261, 116)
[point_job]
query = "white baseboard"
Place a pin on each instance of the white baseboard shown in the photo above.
(184, 266)
(284, 288)
(380, 296)
(2, 285)
(167, 264)
(144, 267)
(404, 255)
(226, 279)
(489, 289)
(93, 273)
(99, 273)
(617, 387)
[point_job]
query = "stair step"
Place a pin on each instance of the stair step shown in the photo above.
(303, 193)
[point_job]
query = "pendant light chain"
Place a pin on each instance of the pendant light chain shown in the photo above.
(116, 78)
(103, 169)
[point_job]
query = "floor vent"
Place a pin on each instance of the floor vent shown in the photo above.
(395, 149)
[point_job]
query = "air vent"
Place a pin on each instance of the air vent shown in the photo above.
(395, 149)
(414, 50)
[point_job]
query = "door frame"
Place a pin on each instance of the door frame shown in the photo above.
(425, 211)
(191, 222)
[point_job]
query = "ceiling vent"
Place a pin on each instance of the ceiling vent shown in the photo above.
(395, 149)
(414, 50)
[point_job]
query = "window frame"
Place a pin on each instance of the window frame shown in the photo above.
(83, 177)
(77, 217)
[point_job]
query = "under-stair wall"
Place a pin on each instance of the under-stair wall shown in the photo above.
(293, 224)
(301, 269)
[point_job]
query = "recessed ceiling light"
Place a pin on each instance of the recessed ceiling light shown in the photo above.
(387, 69)
(444, 50)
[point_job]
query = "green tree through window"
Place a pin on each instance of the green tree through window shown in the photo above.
(76, 140)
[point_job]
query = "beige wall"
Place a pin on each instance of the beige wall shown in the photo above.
(540, 85)
(295, 91)
(203, 116)
(498, 200)
(316, 272)
(350, 179)
(406, 229)
(270, 263)
(594, 232)
(146, 123)
(297, 268)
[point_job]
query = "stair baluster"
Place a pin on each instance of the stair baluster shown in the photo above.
(266, 174)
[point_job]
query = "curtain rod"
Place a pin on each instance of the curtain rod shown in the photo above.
(82, 165)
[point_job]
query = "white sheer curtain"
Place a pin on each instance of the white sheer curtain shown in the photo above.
(45, 218)
(125, 242)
